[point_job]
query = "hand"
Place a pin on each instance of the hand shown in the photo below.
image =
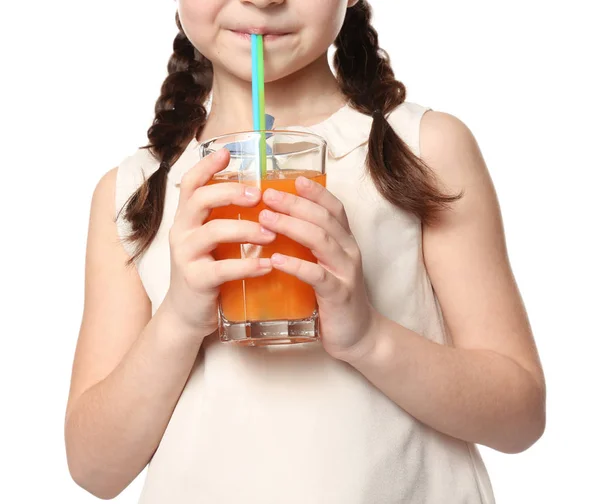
(317, 220)
(195, 275)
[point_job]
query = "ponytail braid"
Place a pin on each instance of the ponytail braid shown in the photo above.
(367, 79)
(180, 116)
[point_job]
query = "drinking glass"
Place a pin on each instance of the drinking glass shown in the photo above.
(276, 308)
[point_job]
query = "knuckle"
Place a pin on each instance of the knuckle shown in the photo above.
(209, 227)
(354, 277)
(324, 236)
(210, 233)
(214, 230)
(321, 275)
(338, 208)
(216, 273)
(344, 296)
(189, 277)
(355, 255)
(291, 200)
(317, 188)
(329, 218)
(197, 200)
(187, 180)
(176, 238)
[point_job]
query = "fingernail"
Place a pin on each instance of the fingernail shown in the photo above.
(268, 215)
(266, 231)
(277, 259)
(252, 192)
(273, 195)
(304, 182)
(264, 263)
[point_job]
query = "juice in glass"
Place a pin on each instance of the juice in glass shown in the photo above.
(277, 295)
(276, 308)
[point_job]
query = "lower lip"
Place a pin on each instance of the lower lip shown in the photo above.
(266, 38)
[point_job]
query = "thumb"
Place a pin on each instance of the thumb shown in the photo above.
(201, 173)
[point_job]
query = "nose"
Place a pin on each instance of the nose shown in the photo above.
(263, 4)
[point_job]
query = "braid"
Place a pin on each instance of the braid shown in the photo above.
(367, 79)
(180, 115)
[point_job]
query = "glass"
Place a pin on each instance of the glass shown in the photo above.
(276, 308)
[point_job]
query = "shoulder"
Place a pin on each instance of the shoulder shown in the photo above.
(103, 197)
(441, 130)
(405, 119)
(430, 131)
(107, 181)
(131, 173)
(137, 166)
(449, 148)
(120, 183)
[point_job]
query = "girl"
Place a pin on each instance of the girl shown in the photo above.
(426, 349)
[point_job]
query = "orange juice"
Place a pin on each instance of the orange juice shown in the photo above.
(277, 295)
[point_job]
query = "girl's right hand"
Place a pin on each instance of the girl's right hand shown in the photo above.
(195, 275)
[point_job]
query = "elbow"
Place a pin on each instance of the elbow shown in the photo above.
(525, 438)
(529, 427)
(89, 475)
(92, 481)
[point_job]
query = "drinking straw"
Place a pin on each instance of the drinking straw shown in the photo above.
(258, 99)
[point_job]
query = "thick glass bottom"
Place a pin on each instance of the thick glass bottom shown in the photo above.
(271, 332)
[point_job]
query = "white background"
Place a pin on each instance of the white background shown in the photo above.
(79, 82)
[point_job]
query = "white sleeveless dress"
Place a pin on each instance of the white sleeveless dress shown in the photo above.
(290, 424)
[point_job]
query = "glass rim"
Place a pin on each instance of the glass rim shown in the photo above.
(321, 142)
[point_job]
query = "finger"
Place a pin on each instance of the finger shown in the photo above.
(323, 246)
(205, 239)
(204, 199)
(323, 281)
(216, 273)
(201, 173)
(314, 191)
(310, 211)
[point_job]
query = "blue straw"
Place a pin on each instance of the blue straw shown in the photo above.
(258, 101)
(255, 101)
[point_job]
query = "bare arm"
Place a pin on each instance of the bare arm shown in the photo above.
(489, 386)
(129, 369)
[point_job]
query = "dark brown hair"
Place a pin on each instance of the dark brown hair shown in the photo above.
(366, 79)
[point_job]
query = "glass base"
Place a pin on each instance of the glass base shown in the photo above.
(271, 332)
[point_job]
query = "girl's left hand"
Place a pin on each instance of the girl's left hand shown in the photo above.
(317, 220)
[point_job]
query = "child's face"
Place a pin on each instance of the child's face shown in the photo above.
(296, 32)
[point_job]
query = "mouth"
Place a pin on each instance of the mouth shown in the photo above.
(267, 33)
